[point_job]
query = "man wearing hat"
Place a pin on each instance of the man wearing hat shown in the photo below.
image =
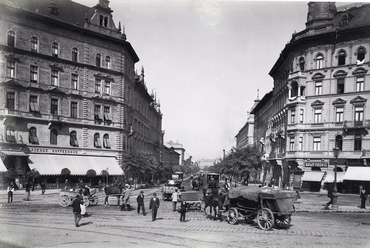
(126, 199)
(77, 209)
(154, 205)
(140, 203)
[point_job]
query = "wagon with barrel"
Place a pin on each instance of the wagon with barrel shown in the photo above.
(66, 197)
(268, 206)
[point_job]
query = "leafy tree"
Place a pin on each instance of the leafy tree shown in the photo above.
(11, 174)
(141, 165)
(31, 176)
(91, 173)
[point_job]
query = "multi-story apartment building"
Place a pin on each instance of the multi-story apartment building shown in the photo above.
(69, 94)
(319, 100)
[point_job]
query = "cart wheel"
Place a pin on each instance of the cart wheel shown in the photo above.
(93, 200)
(64, 200)
(232, 216)
(85, 199)
(249, 219)
(283, 221)
(265, 219)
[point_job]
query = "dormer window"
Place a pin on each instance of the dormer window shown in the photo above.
(103, 21)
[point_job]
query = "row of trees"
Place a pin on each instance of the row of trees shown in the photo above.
(240, 164)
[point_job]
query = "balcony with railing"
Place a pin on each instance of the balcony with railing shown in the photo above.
(356, 127)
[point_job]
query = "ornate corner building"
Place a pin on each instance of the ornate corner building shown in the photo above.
(319, 101)
(69, 93)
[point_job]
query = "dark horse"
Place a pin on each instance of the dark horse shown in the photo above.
(214, 199)
(114, 190)
(196, 184)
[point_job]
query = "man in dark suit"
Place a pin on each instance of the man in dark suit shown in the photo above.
(363, 196)
(140, 202)
(154, 205)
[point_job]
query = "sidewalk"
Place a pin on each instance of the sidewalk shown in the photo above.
(309, 202)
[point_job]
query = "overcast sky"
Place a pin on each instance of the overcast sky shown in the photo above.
(206, 60)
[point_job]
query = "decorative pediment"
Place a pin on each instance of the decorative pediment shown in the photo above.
(12, 82)
(339, 102)
(317, 104)
(359, 72)
(318, 77)
(340, 74)
(103, 77)
(12, 57)
(56, 66)
(358, 101)
(55, 89)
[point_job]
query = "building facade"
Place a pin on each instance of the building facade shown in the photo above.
(69, 94)
(319, 100)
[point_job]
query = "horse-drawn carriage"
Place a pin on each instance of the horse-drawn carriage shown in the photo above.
(269, 206)
(192, 200)
(88, 196)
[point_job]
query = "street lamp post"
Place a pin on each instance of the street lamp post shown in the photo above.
(335, 191)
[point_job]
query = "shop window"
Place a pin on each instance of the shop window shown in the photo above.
(34, 105)
(11, 39)
(73, 138)
(358, 143)
(10, 69)
(339, 142)
(97, 143)
(53, 137)
(55, 49)
(342, 58)
(34, 44)
(10, 134)
(74, 109)
(34, 73)
(10, 100)
(98, 60)
(74, 54)
(106, 142)
(32, 136)
(319, 61)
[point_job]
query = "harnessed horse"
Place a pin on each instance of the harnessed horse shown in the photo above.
(214, 200)
(114, 190)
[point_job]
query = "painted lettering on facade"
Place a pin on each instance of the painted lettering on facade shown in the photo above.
(58, 151)
(316, 164)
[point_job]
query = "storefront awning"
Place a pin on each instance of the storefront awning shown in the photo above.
(357, 174)
(313, 176)
(330, 177)
(50, 164)
(2, 166)
(14, 153)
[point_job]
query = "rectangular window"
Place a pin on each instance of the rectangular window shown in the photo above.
(10, 100)
(360, 84)
(291, 144)
(54, 77)
(34, 105)
(10, 134)
(33, 73)
(359, 116)
(317, 143)
(74, 81)
(54, 106)
(107, 87)
(339, 115)
(340, 85)
(317, 117)
(55, 49)
(33, 136)
(300, 143)
(318, 88)
(10, 69)
(74, 54)
(74, 109)
(97, 113)
(34, 44)
(301, 115)
(98, 86)
(292, 116)
(107, 115)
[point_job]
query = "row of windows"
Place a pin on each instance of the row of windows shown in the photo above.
(316, 146)
(54, 107)
(33, 139)
(360, 86)
(341, 59)
(55, 78)
(55, 50)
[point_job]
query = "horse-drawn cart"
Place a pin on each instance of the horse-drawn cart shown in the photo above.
(67, 196)
(268, 206)
(192, 200)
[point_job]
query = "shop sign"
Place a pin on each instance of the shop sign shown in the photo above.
(316, 164)
(57, 151)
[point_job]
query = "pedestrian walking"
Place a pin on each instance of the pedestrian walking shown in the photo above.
(154, 205)
(363, 196)
(183, 210)
(330, 195)
(140, 203)
(10, 191)
(76, 208)
(27, 193)
(126, 199)
(175, 198)
(43, 187)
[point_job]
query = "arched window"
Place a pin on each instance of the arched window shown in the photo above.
(32, 135)
(342, 58)
(107, 61)
(11, 39)
(319, 61)
(53, 137)
(98, 60)
(74, 54)
(106, 142)
(358, 143)
(361, 54)
(10, 134)
(301, 64)
(55, 49)
(97, 140)
(339, 142)
(73, 138)
(34, 44)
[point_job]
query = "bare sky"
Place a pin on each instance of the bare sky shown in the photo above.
(206, 60)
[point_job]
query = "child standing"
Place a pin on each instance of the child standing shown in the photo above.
(10, 190)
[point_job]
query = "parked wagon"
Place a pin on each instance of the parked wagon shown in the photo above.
(66, 197)
(192, 200)
(269, 206)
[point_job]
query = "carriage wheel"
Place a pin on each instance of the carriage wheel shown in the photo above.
(85, 199)
(249, 219)
(93, 200)
(232, 216)
(283, 221)
(64, 200)
(265, 219)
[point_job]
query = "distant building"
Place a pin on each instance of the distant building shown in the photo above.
(179, 149)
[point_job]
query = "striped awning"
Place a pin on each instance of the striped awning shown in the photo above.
(330, 177)
(359, 173)
(313, 176)
(2, 166)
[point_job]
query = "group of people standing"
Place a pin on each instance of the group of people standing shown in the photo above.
(153, 204)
